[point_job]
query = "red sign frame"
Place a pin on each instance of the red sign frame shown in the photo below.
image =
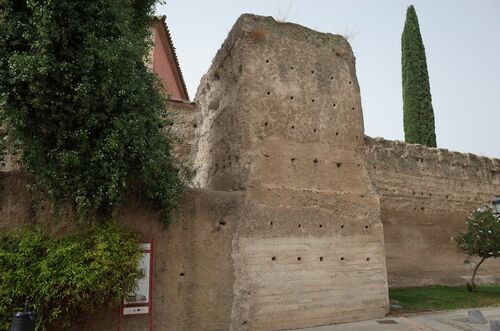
(149, 305)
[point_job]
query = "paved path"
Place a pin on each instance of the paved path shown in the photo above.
(442, 321)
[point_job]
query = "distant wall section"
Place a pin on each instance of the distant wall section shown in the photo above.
(426, 194)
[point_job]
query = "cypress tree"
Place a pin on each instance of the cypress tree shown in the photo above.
(418, 115)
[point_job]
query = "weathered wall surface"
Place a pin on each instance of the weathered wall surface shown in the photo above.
(282, 121)
(193, 264)
(183, 122)
(193, 272)
(426, 194)
(9, 163)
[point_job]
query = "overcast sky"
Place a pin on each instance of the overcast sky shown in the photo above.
(461, 38)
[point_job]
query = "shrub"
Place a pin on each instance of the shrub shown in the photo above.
(78, 100)
(481, 238)
(65, 276)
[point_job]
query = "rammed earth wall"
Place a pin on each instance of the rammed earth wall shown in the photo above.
(426, 194)
(284, 230)
(282, 122)
(193, 267)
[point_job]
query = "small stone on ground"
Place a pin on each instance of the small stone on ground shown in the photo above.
(476, 316)
(495, 325)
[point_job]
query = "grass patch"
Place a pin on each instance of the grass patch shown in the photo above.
(433, 298)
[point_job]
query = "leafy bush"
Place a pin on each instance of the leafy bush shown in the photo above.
(65, 276)
(79, 101)
(481, 238)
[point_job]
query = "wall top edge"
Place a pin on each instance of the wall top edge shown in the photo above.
(382, 143)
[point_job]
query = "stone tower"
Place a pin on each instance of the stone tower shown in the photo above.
(281, 121)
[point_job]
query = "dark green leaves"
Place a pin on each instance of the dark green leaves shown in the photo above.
(78, 99)
(417, 102)
(482, 236)
(66, 276)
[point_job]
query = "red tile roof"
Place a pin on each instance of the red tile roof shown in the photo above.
(160, 21)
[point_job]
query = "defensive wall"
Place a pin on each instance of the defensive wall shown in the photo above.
(291, 205)
(426, 194)
(193, 268)
(281, 121)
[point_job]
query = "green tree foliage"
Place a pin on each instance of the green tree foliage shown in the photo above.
(67, 276)
(417, 102)
(481, 238)
(79, 101)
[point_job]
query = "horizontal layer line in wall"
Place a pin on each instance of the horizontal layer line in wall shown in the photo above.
(321, 286)
(334, 304)
(354, 273)
(431, 174)
(297, 245)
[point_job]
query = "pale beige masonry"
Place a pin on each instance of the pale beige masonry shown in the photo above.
(182, 123)
(426, 194)
(282, 122)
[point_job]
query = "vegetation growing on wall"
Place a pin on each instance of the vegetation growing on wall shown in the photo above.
(481, 238)
(66, 276)
(418, 115)
(78, 100)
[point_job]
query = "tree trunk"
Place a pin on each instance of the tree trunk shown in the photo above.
(472, 285)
